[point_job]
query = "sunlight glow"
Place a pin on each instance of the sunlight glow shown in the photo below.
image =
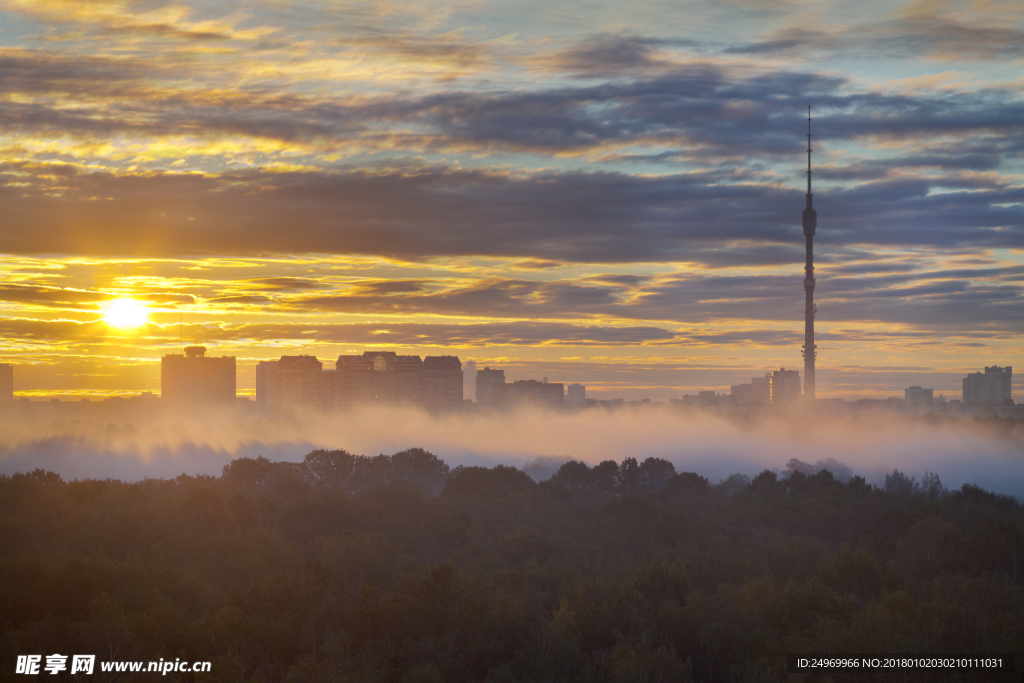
(125, 314)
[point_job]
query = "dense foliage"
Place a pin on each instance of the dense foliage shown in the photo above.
(396, 568)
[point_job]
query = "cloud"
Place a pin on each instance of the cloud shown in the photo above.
(923, 293)
(281, 284)
(393, 286)
(136, 18)
(239, 300)
(610, 55)
(628, 280)
(556, 216)
(50, 296)
(915, 30)
(731, 210)
(391, 334)
(168, 298)
(489, 297)
(698, 109)
(29, 71)
(449, 49)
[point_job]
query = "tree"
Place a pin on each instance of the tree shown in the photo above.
(766, 484)
(332, 470)
(686, 484)
(654, 474)
(258, 474)
(481, 481)
(420, 467)
(899, 484)
(606, 477)
(574, 476)
(628, 477)
(732, 484)
(931, 486)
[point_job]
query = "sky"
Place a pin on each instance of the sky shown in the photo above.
(597, 192)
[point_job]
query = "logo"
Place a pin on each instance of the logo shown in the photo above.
(55, 664)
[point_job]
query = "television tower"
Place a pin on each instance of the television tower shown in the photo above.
(810, 223)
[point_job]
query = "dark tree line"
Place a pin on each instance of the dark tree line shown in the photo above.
(341, 472)
(400, 569)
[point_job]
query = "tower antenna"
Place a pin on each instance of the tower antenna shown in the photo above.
(810, 224)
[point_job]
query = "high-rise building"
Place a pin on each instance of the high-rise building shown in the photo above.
(762, 388)
(386, 377)
(6, 382)
(918, 397)
(488, 386)
(757, 393)
(530, 391)
(994, 388)
(784, 387)
(195, 380)
(375, 377)
(743, 394)
(576, 395)
(441, 389)
(292, 383)
(378, 376)
(707, 398)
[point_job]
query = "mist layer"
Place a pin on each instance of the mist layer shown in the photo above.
(989, 455)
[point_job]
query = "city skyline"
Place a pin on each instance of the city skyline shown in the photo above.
(471, 382)
(192, 382)
(604, 197)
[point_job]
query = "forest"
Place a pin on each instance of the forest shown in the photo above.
(398, 568)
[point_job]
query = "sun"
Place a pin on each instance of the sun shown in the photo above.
(125, 313)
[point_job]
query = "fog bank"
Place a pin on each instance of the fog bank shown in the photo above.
(959, 451)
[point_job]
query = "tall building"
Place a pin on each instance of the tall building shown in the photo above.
(488, 386)
(757, 393)
(743, 394)
(386, 377)
(441, 388)
(378, 376)
(576, 395)
(530, 391)
(918, 397)
(195, 380)
(375, 377)
(707, 398)
(784, 387)
(994, 388)
(292, 383)
(762, 388)
(6, 382)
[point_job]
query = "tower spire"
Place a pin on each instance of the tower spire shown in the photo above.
(810, 224)
(809, 195)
